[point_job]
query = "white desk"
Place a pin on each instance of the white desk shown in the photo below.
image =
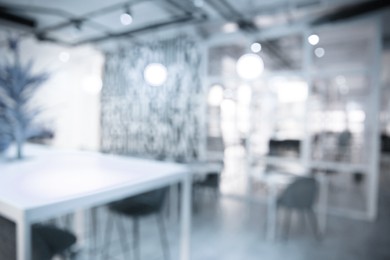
(51, 182)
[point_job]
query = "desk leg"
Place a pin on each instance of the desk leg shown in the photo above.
(271, 214)
(185, 241)
(23, 241)
(80, 226)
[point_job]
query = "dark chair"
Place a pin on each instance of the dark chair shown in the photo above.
(210, 181)
(344, 142)
(49, 241)
(136, 207)
(385, 143)
(300, 195)
(288, 148)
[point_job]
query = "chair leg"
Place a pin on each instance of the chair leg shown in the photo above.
(302, 218)
(313, 221)
(195, 199)
(136, 248)
(93, 231)
(163, 236)
(123, 235)
(107, 236)
(287, 220)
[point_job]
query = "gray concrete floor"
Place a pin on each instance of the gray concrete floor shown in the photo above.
(231, 229)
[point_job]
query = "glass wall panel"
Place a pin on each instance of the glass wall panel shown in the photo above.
(345, 47)
(337, 119)
(279, 116)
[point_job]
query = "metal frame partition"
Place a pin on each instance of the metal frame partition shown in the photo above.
(314, 74)
(370, 71)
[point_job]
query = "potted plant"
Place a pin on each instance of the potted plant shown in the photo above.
(17, 87)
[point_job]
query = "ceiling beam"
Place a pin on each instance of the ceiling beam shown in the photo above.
(177, 20)
(352, 10)
(15, 19)
(229, 13)
(277, 54)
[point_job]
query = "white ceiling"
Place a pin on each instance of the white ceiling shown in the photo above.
(151, 15)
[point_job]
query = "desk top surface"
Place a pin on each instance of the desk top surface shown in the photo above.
(48, 176)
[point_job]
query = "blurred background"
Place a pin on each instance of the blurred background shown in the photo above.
(261, 94)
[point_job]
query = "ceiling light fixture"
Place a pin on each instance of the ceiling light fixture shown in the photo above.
(313, 39)
(250, 66)
(230, 27)
(319, 52)
(155, 74)
(126, 18)
(256, 47)
(64, 56)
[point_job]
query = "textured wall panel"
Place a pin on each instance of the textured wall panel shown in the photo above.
(160, 122)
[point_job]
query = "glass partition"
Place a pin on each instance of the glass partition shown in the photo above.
(337, 119)
(312, 111)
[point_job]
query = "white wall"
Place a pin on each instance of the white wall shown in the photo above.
(70, 111)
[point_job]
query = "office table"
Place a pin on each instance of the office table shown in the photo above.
(52, 182)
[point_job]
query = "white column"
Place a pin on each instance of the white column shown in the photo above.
(374, 110)
(203, 117)
(306, 67)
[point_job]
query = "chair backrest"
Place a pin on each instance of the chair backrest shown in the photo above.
(300, 194)
(344, 139)
(281, 147)
(154, 198)
(215, 148)
(49, 241)
(215, 143)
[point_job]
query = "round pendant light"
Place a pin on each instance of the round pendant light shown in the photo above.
(250, 66)
(155, 74)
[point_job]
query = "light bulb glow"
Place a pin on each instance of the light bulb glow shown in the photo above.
(313, 39)
(244, 94)
(155, 74)
(250, 66)
(319, 52)
(215, 95)
(256, 47)
(126, 18)
(92, 84)
(228, 107)
(64, 56)
(341, 80)
(290, 90)
(230, 27)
